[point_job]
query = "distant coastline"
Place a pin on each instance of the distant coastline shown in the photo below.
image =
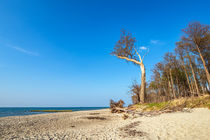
(22, 111)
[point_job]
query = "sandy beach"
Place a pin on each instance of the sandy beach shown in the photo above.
(101, 124)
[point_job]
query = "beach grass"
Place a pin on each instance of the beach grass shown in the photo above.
(192, 102)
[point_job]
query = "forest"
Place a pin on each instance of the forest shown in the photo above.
(182, 73)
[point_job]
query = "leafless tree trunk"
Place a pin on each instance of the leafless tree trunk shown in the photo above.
(170, 93)
(204, 64)
(177, 82)
(194, 76)
(188, 81)
(172, 85)
(143, 83)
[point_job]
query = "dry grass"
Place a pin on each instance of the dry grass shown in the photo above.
(176, 105)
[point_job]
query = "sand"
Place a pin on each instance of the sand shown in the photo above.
(102, 125)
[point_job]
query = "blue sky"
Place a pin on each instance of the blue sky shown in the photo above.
(57, 53)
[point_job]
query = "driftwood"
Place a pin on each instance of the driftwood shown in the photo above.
(118, 110)
(166, 109)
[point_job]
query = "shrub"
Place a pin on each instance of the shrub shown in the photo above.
(114, 105)
(120, 103)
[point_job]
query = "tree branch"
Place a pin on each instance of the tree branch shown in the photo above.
(145, 54)
(138, 54)
(128, 59)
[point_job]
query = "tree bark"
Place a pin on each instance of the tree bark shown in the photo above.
(177, 83)
(143, 76)
(159, 89)
(192, 85)
(170, 93)
(143, 83)
(188, 81)
(172, 85)
(204, 64)
(194, 76)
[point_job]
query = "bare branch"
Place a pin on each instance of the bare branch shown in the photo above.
(145, 54)
(128, 59)
(138, 54)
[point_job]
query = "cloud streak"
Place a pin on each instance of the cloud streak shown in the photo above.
(143, 48)
(154, 41)
(23, 50)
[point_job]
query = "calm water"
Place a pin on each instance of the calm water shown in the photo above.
(20, 111)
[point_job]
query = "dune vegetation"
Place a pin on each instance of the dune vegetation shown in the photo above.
(176, 104)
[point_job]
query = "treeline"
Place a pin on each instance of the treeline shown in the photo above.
(182, 73)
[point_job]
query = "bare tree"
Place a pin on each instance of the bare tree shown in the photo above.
(126, 49)
(180, 52)
(135, 90)
(198, 38)
(185, 73)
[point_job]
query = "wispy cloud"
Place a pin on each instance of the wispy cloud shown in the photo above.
(154, 41)
(23, 50)
(143, 48)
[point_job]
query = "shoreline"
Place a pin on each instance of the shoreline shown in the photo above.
(26, 111)
(101, 124)
(47, 113)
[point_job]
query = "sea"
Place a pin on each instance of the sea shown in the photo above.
(21, 111)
